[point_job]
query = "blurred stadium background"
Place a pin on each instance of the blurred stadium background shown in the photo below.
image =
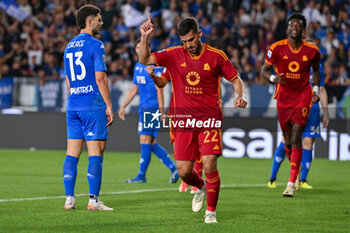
(34, 33)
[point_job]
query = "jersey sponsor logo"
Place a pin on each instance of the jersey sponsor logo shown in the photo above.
(305, 58)
(269, 53)
(293, 66)
(183, 64)
(81, 90)
(102, 46)
(194, 90)
(206, 67)
(193, 78)
(216, 147)
(141, 79)
(292, 76)
(285, 57)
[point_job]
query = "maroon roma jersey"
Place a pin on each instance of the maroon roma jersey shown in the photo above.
(295, 65)
(196, 79)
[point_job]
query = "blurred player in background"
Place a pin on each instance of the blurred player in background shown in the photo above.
(195, 70)
(89, 107)
(311, 131)
(151, 99)
(293, 59)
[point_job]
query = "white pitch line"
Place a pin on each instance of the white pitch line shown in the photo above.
(128, 192)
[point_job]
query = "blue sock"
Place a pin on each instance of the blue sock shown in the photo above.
(278, 158)
(145, 159)
(161, 153)
(94, 174)
(70, 174)
(305, 164)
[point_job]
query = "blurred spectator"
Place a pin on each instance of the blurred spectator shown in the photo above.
(243, 29)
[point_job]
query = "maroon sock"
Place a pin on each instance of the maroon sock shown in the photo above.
(195, 180)
(295, 160)
(288, 152)
(213, 189)
(198, 166)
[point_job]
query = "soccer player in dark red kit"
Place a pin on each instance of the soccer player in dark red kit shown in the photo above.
(195, 71)
(292, 59)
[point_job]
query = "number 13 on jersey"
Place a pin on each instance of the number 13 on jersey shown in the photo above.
(78, 62)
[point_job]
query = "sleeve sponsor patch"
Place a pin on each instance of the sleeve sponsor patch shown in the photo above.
(269, 53)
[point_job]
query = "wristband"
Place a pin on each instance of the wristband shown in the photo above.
(316, 89)
(272, 78)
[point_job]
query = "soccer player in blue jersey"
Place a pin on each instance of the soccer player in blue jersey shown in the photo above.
(311, 131)
(89, 107)
(151, 99)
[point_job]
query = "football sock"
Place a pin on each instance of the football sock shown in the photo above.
(195, 180)
(145, 159)
(288, 152)
(70, 174)
(295, 163)
(198, 166)
(161, 153)
(94, 174)
(213, 188)
(278, 158)
(305, 164)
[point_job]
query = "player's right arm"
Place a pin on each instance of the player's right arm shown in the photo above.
(160, 82)
(145, 56)
(102, 83)
(265, 71)
(270, 59)
(132, 93)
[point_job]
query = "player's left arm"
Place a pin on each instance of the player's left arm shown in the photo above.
(160, 82)
(102, 83)
(160, 97)
(238, 85)
(67, 83)
(316, 81)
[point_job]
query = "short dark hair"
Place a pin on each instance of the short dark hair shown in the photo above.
(186, 25)
(84, 12)
(298, 16)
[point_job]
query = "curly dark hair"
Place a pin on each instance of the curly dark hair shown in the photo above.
(84, 12)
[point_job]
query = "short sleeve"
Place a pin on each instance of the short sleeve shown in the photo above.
(161, 57)
(228, 71)
(134, 81)
(316, 58)
(271, 55)
(100, 57)
(165, 74)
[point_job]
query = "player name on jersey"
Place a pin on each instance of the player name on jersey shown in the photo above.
(77, 43)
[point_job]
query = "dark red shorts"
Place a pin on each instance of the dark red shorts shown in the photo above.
(294, 113)
(190, 145)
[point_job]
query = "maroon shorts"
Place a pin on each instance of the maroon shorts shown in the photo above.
(294, 113)
(190, 145)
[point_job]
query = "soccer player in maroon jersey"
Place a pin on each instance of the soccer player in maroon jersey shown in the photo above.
(196, 69)
(292, 59)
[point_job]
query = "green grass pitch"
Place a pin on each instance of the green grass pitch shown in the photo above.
(245, 204)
